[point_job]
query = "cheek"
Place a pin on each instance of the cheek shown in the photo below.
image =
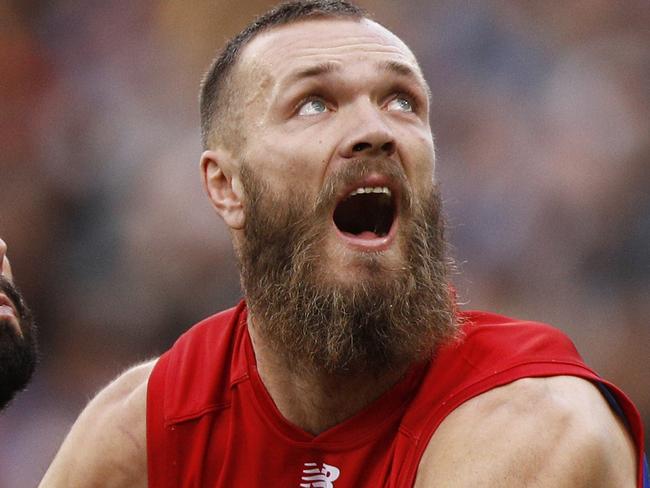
(291, 162)
(420, 159)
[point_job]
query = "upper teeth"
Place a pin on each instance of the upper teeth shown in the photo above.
(371, 189)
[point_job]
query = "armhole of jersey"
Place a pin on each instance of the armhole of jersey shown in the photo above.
(611, 399)
(616, 407)
(156, 442)
(621, 405)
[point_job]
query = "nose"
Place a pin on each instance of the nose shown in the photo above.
(5, 268)
(370, 136)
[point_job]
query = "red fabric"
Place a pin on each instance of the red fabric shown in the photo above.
(211, 423)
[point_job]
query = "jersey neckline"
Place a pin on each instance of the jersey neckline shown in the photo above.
(372, 421)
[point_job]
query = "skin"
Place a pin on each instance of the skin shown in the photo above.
(298, 152)
(5, 266)
(5, 270)
(106, 446)
(535, 432)
(545, 432)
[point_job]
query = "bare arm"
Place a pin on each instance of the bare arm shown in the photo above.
(537, 432)
(106, 446)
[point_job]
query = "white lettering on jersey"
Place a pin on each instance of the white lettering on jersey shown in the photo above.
(314, 476)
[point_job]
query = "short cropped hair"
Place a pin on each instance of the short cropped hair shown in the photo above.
(217, 79)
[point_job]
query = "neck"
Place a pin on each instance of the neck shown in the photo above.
(316, 401)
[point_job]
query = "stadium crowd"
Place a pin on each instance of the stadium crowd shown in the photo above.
(541, 113)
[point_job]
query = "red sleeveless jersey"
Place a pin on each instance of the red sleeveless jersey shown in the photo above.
(211, 422)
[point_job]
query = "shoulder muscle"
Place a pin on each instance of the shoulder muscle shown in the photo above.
(539, 432)
(107, 444)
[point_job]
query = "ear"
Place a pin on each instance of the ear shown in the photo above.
(221, 181)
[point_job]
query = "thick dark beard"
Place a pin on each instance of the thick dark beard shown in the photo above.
(316, 326)
(18, 355)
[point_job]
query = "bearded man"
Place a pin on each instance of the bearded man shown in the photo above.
(348, 363)
(18, 350)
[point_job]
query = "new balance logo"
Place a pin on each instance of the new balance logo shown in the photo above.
(314, 476)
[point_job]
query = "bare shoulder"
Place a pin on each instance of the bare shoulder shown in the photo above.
(538, 432)
(107, 444)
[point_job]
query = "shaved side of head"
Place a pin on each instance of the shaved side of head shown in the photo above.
(222, 85)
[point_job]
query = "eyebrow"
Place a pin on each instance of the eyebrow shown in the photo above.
(406, 71)
(394, 67)
(330, 67)
(397, 68)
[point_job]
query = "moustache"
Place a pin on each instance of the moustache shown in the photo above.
(355, 171)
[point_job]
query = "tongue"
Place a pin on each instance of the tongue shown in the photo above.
(366, 234)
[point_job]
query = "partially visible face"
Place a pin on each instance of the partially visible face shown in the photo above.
(342, 253)
(17, 342)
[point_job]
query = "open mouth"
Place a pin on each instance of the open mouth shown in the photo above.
(366, 212)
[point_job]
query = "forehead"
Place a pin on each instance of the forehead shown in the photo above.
(288, 48)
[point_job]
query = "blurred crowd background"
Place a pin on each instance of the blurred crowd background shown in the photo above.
(541, 112)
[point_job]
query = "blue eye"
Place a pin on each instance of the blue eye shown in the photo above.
(400, 104)
(312, 107)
